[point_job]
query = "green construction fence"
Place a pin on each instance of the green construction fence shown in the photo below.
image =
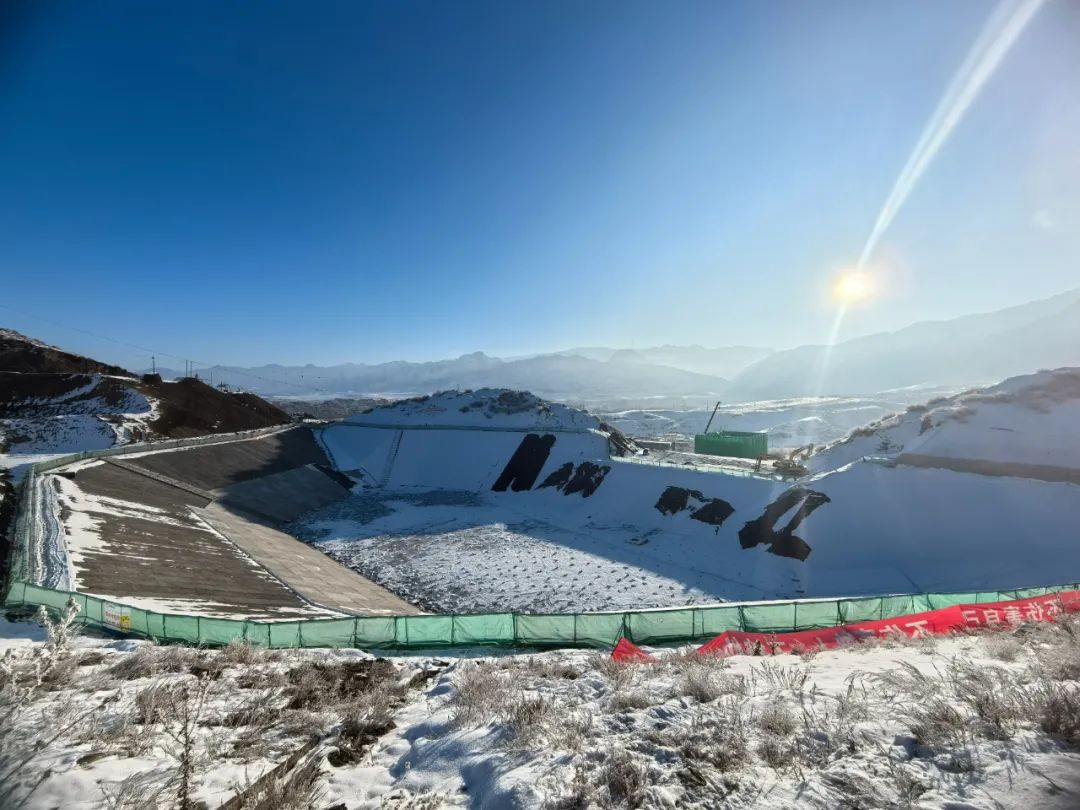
(661, 626)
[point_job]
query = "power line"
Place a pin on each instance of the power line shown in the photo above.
(155, 352)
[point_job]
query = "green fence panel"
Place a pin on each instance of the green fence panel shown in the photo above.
(893, 606)
(155, 624)
(944, 600)
(16, 594)
(328, 633)
(425, 631)
(1027, 593)
(658, 626)
(716, 620)
(920, 602)
(219, 631)
(769, 618)
(598, 629)
(138, 621)
(374, 632)
(546, 629)
(815, 615)
(36, 595)
(285, 634)
(92, 610)
(735, 443)
(852, 611)
(180, 628)
(489, 628)
(257, 633)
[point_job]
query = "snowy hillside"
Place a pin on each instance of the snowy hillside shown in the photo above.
(42, 413)
(789, 422)
(983, 720)
(1032, 419)
(55, 402)
(486, 407)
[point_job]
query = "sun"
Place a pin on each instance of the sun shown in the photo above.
(852, 287)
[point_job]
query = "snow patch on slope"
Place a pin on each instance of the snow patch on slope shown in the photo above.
(1030, 419)
(486, 407)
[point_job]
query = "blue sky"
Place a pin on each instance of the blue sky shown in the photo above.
(362, 181)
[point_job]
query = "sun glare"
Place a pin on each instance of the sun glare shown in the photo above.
(852, 287)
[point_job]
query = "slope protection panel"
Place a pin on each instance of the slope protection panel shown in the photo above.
(476, 460)
(360, 450)
(866, 529)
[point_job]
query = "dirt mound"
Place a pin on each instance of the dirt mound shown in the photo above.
(29, 356)
(190, 407)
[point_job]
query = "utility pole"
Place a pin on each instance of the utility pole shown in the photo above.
(153, 364)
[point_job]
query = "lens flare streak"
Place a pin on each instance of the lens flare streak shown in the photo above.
(999, 33)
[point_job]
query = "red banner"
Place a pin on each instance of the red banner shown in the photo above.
(934, 622)
(626, 650)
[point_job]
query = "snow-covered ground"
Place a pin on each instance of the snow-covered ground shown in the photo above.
(99, 412)
(987, 721)
(499, 560)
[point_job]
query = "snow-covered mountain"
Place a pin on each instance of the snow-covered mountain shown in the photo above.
(553, 376)
(972, 350)
(725, 361)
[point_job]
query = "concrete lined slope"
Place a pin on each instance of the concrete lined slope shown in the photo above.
(303, 568)
(135, 539)
(143, 529)
(216, 466)
(284, 496)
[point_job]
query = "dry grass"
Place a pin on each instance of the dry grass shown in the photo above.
(1004, 647)
(151, 660)
(482, 694)
(625, 779)
(297, 790)
(777, 719)
(241, 653)
(1060, 712)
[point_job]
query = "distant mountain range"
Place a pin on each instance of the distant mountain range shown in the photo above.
(974, 349)
(970, 350)
(554, 376)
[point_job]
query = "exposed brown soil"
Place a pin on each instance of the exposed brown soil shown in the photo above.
(29, 356)
(34, 375)
(190, 407)
(19, 390)
(337, 408)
